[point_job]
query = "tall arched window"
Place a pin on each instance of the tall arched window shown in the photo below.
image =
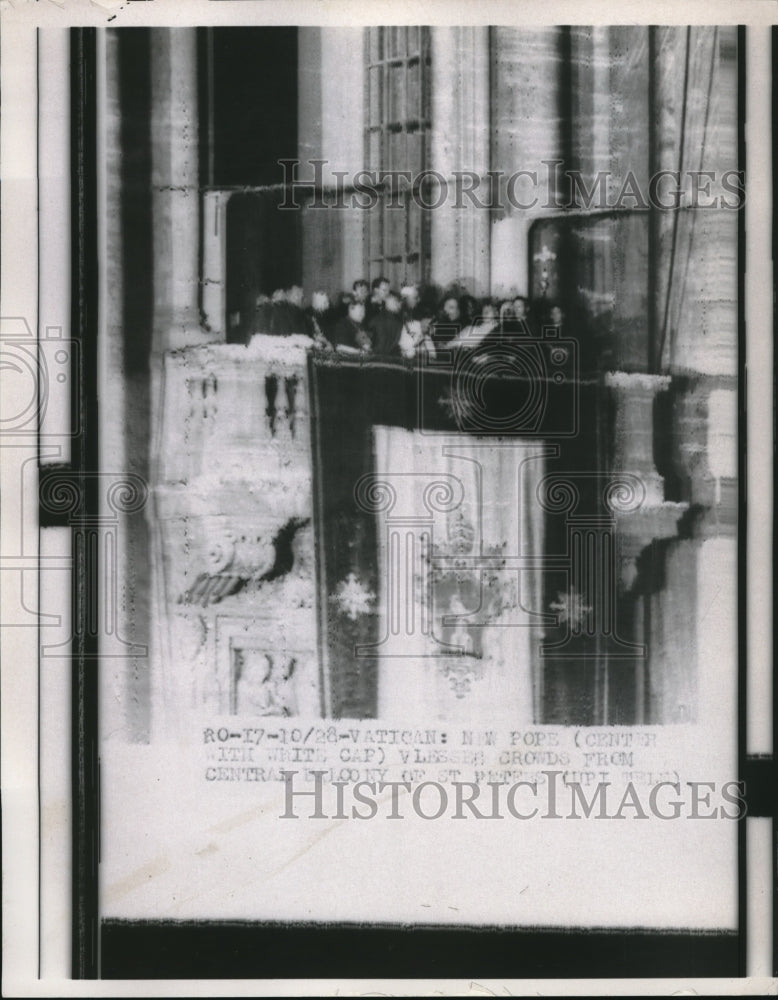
(397, 139)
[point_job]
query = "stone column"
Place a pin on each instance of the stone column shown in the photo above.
(591, 103)
(175, 211)
(526, 133)
(175, 191)
(460, 141)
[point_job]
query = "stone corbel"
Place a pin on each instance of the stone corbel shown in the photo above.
(712, 493)
(633, 452)
(690, 436)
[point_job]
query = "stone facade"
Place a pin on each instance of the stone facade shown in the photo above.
(232, 544)
(227, 498)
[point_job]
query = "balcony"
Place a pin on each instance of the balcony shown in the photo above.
(234, 540)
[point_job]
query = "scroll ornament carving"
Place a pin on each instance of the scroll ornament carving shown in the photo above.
(233, 559)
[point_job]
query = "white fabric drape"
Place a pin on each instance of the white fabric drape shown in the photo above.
(460, 640)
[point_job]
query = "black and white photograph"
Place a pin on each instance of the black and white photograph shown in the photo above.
(381, 461)
(413, 449)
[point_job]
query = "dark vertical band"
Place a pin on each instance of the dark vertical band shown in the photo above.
(567, 137)
(84, 303)
(654, 242)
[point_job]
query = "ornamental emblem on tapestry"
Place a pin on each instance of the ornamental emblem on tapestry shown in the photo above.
(460, 534)
(352, 598)
(464, 599)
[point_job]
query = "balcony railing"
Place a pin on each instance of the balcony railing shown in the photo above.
(233, 412)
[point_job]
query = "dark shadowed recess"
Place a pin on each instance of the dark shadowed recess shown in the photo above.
(168, 950)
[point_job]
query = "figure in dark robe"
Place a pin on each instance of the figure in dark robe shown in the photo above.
(348, 334)
(377, 301)
(515, 321)
(321, 319)
(386, 327)
(411, 300)
(448, 323)
(288, 316)
(263, 313)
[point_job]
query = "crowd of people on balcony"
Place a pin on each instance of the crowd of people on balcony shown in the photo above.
(375, 319)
